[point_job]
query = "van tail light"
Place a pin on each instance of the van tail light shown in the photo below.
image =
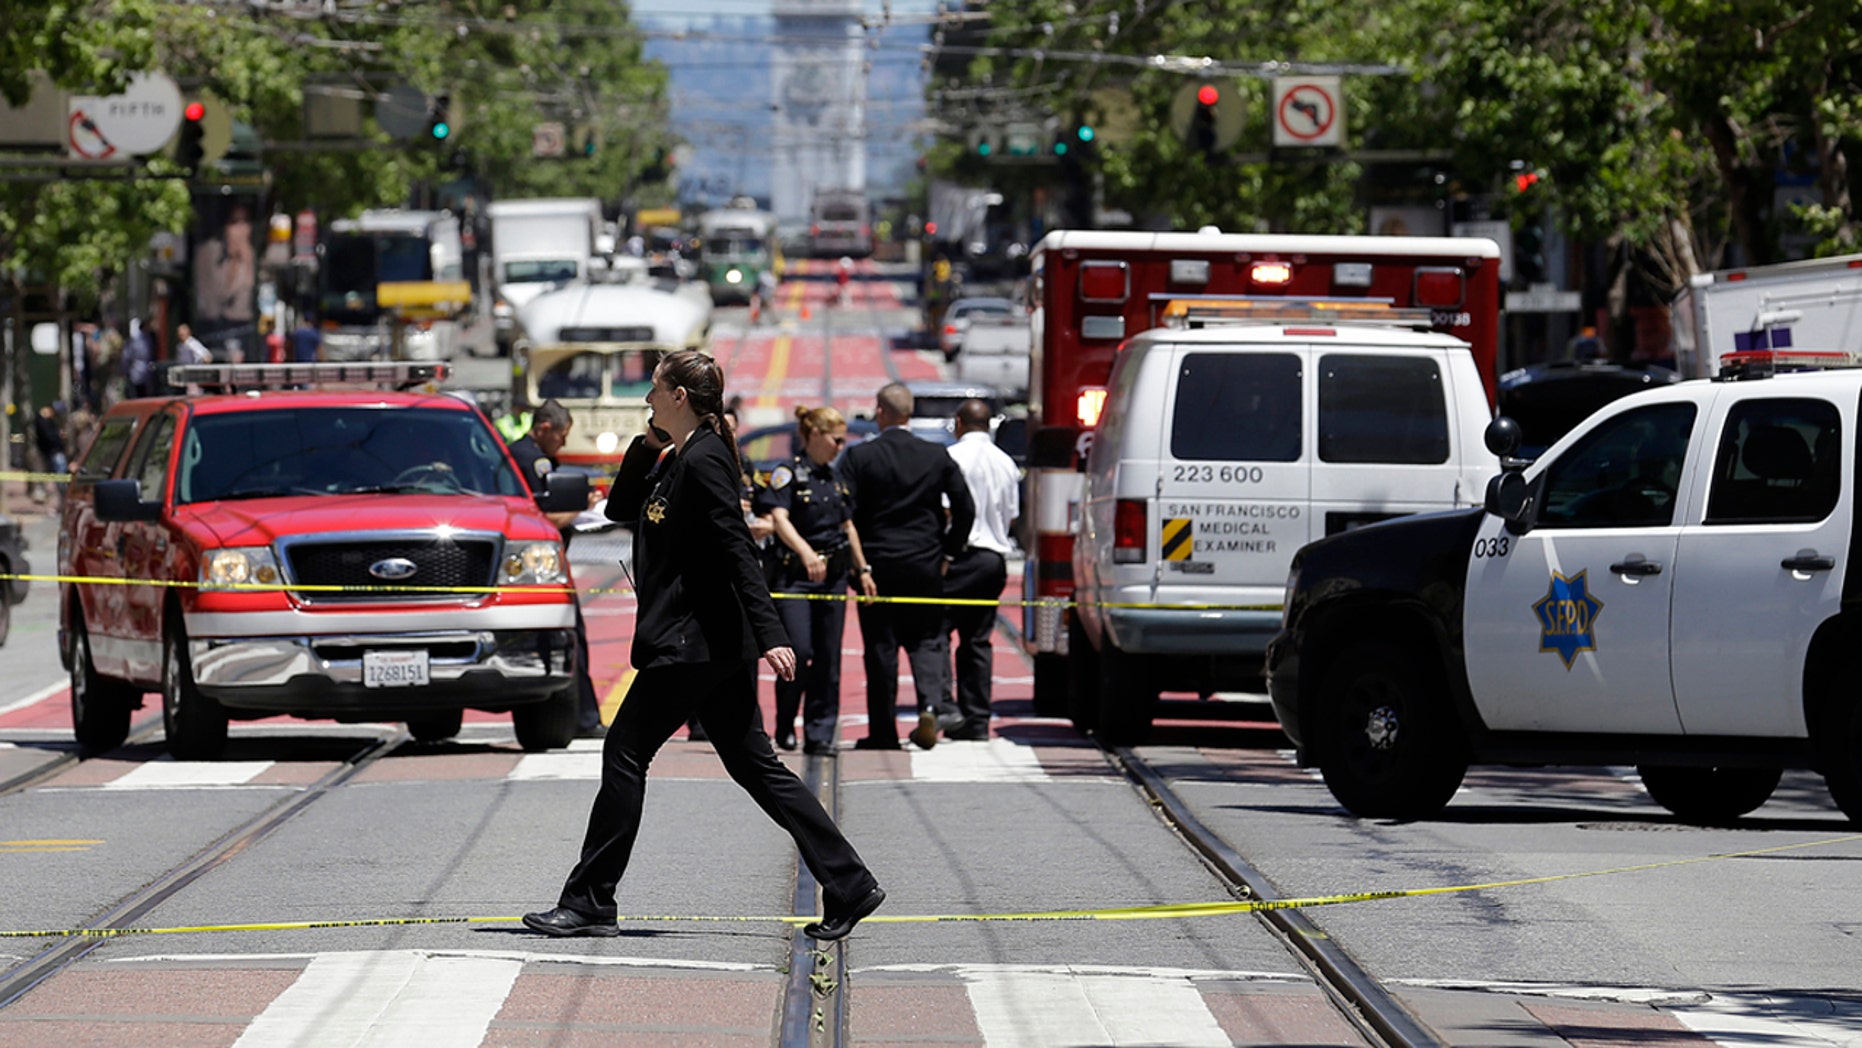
(1271, 274)
(1439, 288)
(1088, 405)
(814, 230)
(1128, 532)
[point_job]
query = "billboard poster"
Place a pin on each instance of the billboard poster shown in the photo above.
(225, 269)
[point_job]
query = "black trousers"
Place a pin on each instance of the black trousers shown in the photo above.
(814, 628)
(724, 697)
(919, 628)
(588, 705)
(977, 574)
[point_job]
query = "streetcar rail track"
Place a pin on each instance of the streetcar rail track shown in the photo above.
(1359, 995)
(817, 972)
(21, 979)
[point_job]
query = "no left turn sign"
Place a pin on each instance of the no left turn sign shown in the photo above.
(1307, 111)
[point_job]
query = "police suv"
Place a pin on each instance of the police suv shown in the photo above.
(1666, 587)
(1232, 436)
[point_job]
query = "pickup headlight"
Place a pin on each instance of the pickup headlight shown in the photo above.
(531, 563)
(240, 566)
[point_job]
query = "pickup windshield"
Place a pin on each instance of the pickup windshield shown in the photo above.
(342, 451)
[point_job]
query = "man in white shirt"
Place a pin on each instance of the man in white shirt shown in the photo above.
(981, 571)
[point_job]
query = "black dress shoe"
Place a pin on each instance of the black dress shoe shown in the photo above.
(818, 749)
(785, 740)
(967, 734)
(837, 925)
(871, 743)
(563, 922)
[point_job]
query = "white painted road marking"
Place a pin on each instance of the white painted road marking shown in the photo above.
(363, 1000)
(165, 774)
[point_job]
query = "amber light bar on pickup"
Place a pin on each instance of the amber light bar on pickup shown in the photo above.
(378, 374)
(1196, 310)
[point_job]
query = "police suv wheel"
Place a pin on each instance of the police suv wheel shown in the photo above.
(195, 724)
(1391, 748)
(1709, 795)
(546, 725)
(100, 707)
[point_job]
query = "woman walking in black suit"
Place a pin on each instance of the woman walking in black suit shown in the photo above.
(705, 616)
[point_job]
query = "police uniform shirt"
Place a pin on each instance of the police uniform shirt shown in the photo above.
(702, 597)
(812, 494)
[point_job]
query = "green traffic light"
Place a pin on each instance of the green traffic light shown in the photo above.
(1060, 149)
(982, 149)
(441, 129)
(1085, 133)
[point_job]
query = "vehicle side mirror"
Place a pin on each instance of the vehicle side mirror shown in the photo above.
(1509, 498)
(563, 492)
(121, 500)
(1503, 437)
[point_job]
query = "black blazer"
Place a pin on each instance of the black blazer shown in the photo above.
(696, 573)
(895, 481)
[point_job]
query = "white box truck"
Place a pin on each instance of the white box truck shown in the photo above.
(537, 246)
(1810, 307)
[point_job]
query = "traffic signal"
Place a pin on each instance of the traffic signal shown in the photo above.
(1203, 134)
(189, 150)
(1529, 251)
(439, 117)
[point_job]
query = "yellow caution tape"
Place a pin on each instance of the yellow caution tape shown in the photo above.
(1162, 911)
(266, 587)
(17, 474)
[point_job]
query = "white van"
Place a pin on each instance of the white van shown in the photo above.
(1228, 441)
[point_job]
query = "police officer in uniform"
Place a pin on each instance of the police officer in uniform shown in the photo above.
(536, 453)
(817, 549)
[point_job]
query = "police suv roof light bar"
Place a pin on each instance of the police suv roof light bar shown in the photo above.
(1190, 311)
(1764, 363)
(376, 374)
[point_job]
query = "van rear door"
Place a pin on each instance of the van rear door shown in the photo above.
(1383, 436)
(1232, 495)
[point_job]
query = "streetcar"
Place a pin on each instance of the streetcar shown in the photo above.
(840, 223)
(735, 245)
(593, 348)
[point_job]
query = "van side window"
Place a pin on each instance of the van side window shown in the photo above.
(1382, 409)
(100, 461)
(1237, 407)
(1779, 462)
(1622, 474)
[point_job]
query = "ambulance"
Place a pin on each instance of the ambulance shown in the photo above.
(1810, 306)
(1092, 292)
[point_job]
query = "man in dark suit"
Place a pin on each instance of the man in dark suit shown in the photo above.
(900, 487)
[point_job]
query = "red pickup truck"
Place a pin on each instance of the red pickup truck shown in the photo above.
(319, 541)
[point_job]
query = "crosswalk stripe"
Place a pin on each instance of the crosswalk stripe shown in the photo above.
(997, 760)
(364, 1000)
(1064, 1010)
(164, 774)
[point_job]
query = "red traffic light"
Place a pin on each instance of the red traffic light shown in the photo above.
(194, 112)
(1208, 95)
(1525, 180)
(930, 229)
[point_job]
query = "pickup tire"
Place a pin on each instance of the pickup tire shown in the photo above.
(436, 727)
(1127, 698)
(195, 724)
(546, 725)
(1082, 678)
(1711, 796)
(100, 706)
(1390, 746)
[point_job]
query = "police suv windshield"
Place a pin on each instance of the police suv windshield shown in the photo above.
(342, 451)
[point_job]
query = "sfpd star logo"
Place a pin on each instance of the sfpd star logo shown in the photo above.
(1568, 617)
(656, 511)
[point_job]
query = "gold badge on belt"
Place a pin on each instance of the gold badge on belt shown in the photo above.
(656, 511)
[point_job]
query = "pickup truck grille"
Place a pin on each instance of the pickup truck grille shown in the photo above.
(450, 562)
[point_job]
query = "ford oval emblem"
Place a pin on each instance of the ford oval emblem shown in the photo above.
(394, 569)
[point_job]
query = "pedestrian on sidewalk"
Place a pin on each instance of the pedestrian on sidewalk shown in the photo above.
(705, 616)
(48, 434)
(980, 572)
(900, 486)
(817, 554)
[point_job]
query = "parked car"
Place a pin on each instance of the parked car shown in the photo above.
(995, 352)
(359, 554)
(959, 314)
(1547, 400)
(934, 407)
